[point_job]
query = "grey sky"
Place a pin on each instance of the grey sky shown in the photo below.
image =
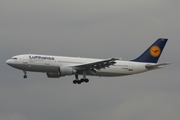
(96, 29)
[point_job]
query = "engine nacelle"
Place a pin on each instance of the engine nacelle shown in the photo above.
(53, 75)
(62, 71)
(66, 71)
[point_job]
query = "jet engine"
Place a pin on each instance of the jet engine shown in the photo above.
(62, 71)
(53, 75)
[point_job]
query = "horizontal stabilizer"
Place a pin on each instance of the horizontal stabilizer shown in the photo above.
(156, 66)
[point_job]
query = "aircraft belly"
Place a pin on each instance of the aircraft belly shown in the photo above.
(105, 74)
(43, 68)
(35, 68)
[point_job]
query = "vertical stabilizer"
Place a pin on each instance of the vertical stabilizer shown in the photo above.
(152, 54)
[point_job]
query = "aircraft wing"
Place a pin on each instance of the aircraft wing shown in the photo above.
(94, 66)
(156, 66)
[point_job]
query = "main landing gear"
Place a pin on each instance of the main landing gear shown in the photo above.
(25, 76)
(80, 81)
(84, 79)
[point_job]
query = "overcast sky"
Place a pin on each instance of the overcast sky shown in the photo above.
(95, 29)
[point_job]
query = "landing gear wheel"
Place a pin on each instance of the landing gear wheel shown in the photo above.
(75, 81)
(78, 82)
(82, 80)
(86, 80)
(25, 76)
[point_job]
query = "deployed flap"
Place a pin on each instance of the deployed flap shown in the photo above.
(156, 66)
(94, 66)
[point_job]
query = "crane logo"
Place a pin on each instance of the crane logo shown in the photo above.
(155, 51)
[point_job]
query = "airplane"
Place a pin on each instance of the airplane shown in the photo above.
(59, 66)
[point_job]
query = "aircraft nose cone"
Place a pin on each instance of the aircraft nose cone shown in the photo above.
(8, 62)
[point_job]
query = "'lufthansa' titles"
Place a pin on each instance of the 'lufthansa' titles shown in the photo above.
(41, 57)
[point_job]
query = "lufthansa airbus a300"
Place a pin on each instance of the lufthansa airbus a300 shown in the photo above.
(58, 66)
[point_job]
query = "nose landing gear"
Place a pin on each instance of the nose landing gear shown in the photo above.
(25, 76)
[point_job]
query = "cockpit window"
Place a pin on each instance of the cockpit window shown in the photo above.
(14, 58)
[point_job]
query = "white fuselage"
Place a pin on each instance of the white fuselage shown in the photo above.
(50, 64)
